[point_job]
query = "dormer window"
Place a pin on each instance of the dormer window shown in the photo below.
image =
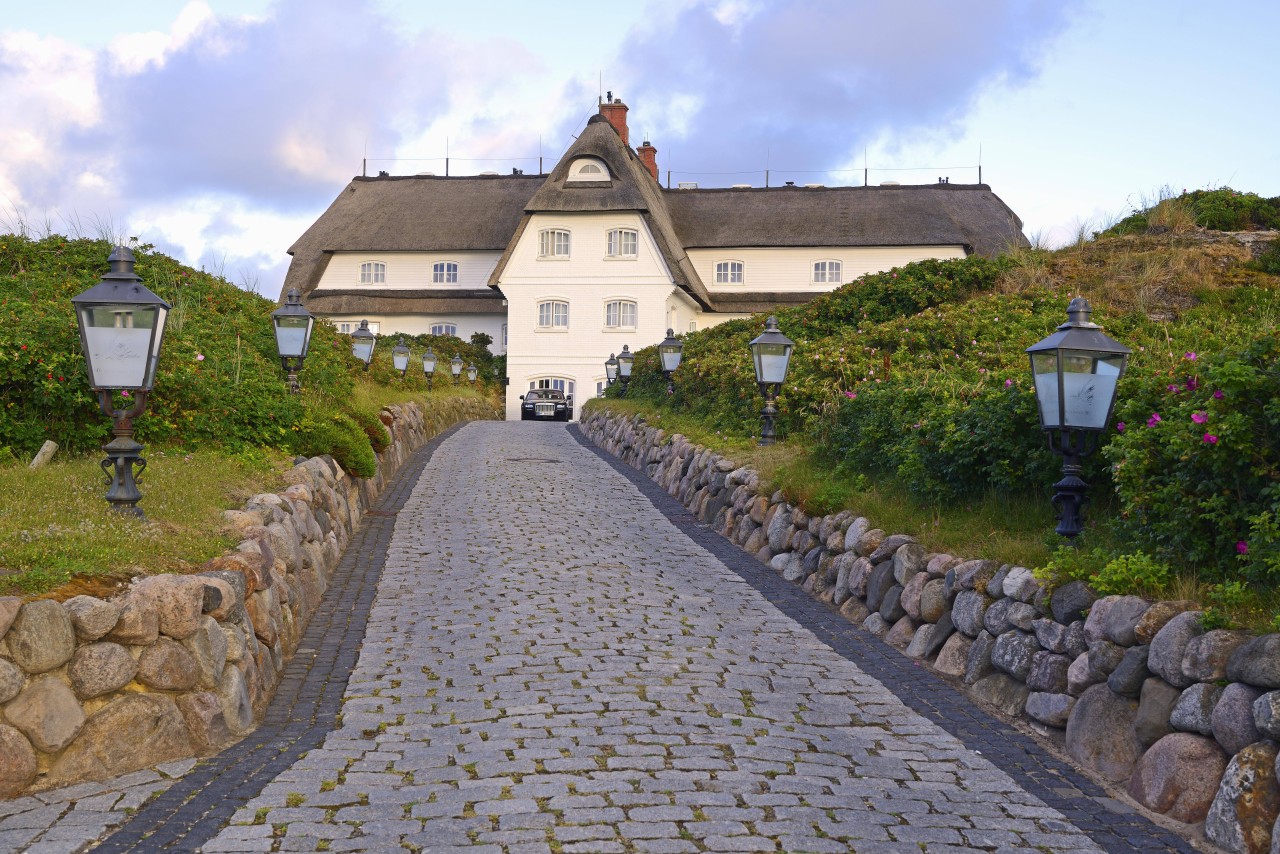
(827, 272)
(553, 243)
(728, 272)
(623, 243)
(588, 169)
(445, 272)
(373, 273)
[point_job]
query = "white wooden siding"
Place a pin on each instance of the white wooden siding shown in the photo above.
(410, 270)
(420, 324)
(785, 269)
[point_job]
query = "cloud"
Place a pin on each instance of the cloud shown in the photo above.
(806, 83)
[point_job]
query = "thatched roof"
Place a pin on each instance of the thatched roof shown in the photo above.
(632, 188)
(388, 301)
(929, 215)
(756, 302)
(414, 214)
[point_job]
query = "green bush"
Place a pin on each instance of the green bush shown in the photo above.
(339, 435)
(1218, 210)
(377, 432)
(1197, 466)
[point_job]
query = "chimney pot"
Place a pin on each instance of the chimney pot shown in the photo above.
(616, 112)
(649, 158)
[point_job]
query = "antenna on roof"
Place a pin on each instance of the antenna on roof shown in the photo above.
(600, 91)
(979, 163)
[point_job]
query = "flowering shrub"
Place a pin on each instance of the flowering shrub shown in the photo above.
(1200, 483)
(1220, 210)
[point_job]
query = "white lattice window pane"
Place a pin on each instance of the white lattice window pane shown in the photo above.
(628, 313)
(833, 271)
(562, 243)
(562, 314)
(611, 314)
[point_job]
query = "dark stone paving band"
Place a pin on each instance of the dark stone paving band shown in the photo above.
(306, 702)
(1109, 823)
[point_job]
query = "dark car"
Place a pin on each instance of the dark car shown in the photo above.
(545, 404)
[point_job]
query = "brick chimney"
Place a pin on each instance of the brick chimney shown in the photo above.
(649, 157)
(616, 112)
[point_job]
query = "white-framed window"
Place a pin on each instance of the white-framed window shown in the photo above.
(556, 383)
(553, 243)
(588, 169)
(444, 329)
(445, 272)
(345, 328)
(620, 314)
(601, 385)
(504, 335)
(553, 314)
(623, 243)
(373, 273)
(693, 326)
(728, 272)
(827, 271)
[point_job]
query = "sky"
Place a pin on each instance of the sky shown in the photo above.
(219, 130)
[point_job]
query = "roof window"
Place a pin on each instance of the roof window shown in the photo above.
(588, 169)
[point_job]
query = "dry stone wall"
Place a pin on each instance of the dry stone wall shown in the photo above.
(179, 665)
(1136, 691)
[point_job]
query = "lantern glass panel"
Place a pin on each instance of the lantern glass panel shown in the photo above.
(670, 358)
(292, 333)
(429, 362)
(1083, 396)
(400, 359)
(122, 343)
(611, 369)
(363, 349)
(471, 373)
(624, 365)
(771, 362)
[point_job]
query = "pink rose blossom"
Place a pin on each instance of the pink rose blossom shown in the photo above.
(1008, 383)
(1199, 417)
(1217, 395)
(1154, 419)
(1242, 548)
(199, 357)
(1210, 439)
(1119, 426)
(1190, 356)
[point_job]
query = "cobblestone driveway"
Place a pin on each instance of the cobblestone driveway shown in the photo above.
(550, 665)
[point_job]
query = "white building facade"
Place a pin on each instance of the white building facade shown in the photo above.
(562, 270)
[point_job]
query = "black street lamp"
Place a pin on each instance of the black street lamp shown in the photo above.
(670, 351)
(121, 330)
(429, 366)
(400, 356)
(293, 325)
(771, 353)
(626, 360)
(455, 368)
(1076, 370)
(362, 343)
(611, 369)
(471, 374)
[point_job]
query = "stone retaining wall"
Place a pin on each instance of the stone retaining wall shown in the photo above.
(179, 665)
(1137, 692)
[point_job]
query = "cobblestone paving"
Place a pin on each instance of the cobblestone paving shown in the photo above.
(66, 819)
(551, 666)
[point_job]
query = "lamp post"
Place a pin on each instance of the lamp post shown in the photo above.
(1076, 370)
(670, 351)
(611, 369)
(362, 343)
(400, 356)
(121, 330)
(771, 353)
(455, 368)
(626, 360)
(293, 325)
(429, 366)
(471, 374)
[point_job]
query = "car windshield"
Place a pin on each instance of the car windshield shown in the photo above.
(545, 394)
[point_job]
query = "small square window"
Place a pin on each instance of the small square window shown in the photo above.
(445, 272)
(553, 243)
(729, 273)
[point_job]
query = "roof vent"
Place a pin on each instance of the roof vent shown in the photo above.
(741, 187)
(814, 186)
(791, 183)
(488, 174)
(687, 185)
(890, 184)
